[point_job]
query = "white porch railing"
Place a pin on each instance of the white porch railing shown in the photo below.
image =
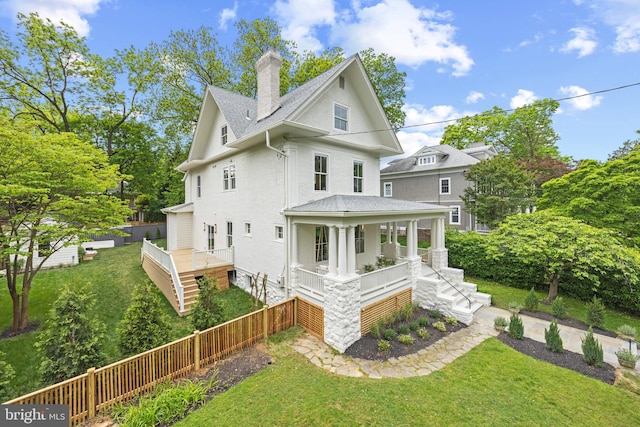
(421, 251)
(204, 259)
(311, 283)
(165, 259)
(381, 283)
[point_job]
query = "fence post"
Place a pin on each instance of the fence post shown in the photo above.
(295, 311)
(265, 319)
(91, 392)
(196, 350)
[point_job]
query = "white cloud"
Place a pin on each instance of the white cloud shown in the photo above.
(583, 41)
(71, 12)
(228, 15)
(523, 98)
(584, 101)
(623, 16)
(474, 97)
(300, 19)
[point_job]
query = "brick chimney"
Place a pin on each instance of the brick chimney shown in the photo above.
(268, 68)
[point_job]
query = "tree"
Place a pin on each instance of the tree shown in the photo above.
(561, 246)
(53, 193)
(71, 341)
(144, 325)
(501, 188)
(209, 309)
(627, 147)
(604, 195)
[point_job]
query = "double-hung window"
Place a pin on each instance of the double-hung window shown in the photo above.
(229, 234)
(445, 185)
(211, 237)
(279, 232)
(229, 177)
(357, 176)
(340, 117)
(198, 185)
(320, 168)
(388, 189)
(223, 134)
(359, 236)
(454, 215)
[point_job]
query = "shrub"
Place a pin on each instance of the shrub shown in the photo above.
(592, 350)
(500, 322)
(383, 262)
(552, 337)
(531, 301)
(407, 312)
(595, 313)
(144, 325)
(389, 334)
(516, 327)
(208, 309)
(626, 332)
(403, 329)
(158, 234)
(70, 342)
(625, 355)
(405, 339)
(423, 333)
(558, 308)
(6, 376)
(423, 322)
(147, 235)
(384, 345)
(376, 331)
(368, 268)
(435, 314)
(440, 326)
(414, 326)
(515, 306)
(451, 320)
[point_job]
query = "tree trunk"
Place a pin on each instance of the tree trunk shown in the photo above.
(24, 309)
(15, 299)
(553, 288)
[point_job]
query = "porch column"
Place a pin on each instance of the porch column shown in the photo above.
(342, 251)
(439, 255)
(410, 240)
(351, 250)
(395, 232)
(388, 232)
(333, 250)
(294, 244)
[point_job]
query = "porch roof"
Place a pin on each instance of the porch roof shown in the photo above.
(344, 206)
(185, 207)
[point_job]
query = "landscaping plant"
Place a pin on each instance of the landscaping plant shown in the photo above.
(531, 301)
(595, 313)
(384, 345)
(208, 310)
(500, 323)
(376, 330)
(423, 333)
(403, 329)
(440, 326)
(592, 350)
(423, 322)
(558, 308)
(405, 339)
(451, 320)
(516, 327)
(6, 375)
(626, 358)
(414, 326)
(552, 338)
(144, 325)
(389, 334)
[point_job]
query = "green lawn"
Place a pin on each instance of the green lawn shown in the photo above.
(110, 277)
(491, 385)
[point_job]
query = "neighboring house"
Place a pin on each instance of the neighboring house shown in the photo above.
(436, 175)
(288, 187)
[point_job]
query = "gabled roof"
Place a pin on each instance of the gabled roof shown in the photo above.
(340, 204)
(448, 157)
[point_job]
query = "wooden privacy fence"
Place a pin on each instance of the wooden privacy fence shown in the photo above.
(121, 381)
(383, 308)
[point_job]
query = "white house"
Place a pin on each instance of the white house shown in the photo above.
(289, 187)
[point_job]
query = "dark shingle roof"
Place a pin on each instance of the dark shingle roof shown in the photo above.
(448, 157)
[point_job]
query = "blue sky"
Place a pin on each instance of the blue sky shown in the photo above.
(461, 57)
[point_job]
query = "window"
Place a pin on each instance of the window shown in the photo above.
(229, 234)
(341, 117)
(359, 239)
(229, 177)
(44, 249)
(279, 232)
(211, 237)
(341, 82)
(357, 177)
(320, 181)
(198, 185)
(445, 185)
(427, 160)
(247, 228)
(387, 189)
(454, 216)
(321, 244)
(223, 134)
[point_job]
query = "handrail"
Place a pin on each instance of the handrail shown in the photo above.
(165, 259)
(453, 286)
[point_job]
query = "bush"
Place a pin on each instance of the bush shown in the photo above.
(592, 350)
(451, 320)
(407, 312)
(516, 327)
(552, 338)
(531, 301)
(440, 326)
(376, 331)
(500, 322)
(423, 333)
(558, 308)
(403, 329)
(423, 322)
(384, 345)
(595, 313)
(144, 325)
(405, 339)
(70, 342)
(208, 309)
(435, 314)
(6, 376)
(414, 326)
(389, 334)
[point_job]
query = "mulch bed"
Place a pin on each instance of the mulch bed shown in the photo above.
(8, 333)
(574, 323)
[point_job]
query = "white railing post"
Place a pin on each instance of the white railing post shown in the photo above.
(165, 259)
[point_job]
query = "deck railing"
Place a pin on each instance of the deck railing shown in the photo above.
(165, 259)
(381, 283)
(204, 259)
(312, 284)
(123, 381)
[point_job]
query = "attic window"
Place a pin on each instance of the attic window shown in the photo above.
(427, 160)
(223, 134)
(341, 117)
(341, 82)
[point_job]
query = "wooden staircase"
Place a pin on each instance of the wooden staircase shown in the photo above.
(191, 291)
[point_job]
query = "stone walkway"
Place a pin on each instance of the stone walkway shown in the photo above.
(444, 351)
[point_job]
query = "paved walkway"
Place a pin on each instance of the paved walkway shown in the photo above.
(446, 350)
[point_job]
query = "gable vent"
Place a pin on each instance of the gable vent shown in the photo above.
(341, 82)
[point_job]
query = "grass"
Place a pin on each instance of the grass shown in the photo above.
(491, 385)
(502, 295)
(110, 277)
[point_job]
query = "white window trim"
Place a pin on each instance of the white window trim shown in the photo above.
(451, 215)
(198, 186)
(224, 139)
(326, 174)
(427, 160)
(440, 185)
(229, 184)
(360, 178)
(277, 228)
(335, 104)
(384, 189)
(247, 229)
